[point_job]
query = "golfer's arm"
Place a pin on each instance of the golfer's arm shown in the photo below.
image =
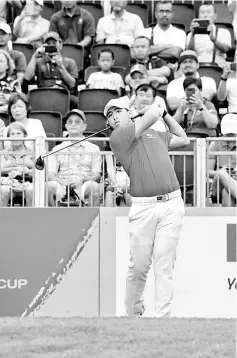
(179, 136)
(52, 177)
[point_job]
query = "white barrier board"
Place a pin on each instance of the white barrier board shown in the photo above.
(205, 283)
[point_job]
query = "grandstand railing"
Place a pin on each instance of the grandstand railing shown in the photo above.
(192, 165)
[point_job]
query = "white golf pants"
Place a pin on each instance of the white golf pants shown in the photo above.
(154, 232)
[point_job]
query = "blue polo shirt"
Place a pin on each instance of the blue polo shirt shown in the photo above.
(146, 160)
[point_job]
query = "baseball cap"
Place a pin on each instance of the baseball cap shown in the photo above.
(52, 35)
(148, 82)
(76, 111)
(229, 124)
(5, 27)
(139, 68)
(118, 103)
(188, 54)
(40, 2)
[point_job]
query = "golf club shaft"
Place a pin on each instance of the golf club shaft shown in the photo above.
(78, 141)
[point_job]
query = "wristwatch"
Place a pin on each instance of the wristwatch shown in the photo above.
(201, 109)
(223, 78)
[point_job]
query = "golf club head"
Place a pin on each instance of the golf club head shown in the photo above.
(39, 164)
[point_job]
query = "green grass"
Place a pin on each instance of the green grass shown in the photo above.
(117, 338)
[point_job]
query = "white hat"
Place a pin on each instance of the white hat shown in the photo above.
(229, 124)
(119, 103)
(40, 2)
(5, 27)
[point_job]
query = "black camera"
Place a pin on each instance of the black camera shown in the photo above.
(51, 49)
(202, 28)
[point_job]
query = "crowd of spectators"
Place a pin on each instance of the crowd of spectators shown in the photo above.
(165, 63)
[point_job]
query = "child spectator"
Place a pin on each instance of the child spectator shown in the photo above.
(105, 78)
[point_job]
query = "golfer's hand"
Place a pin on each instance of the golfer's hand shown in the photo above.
(152, 110)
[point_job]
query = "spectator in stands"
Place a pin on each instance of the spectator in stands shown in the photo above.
(120, 27)
(16, 169)
(105, 78)
(228, 88)
(189, 66)
(19, 111)
(167, 41)
(145, 95)
(139, 75)
(74, 24)
(222, 168)
(4, 8)
(81, 172)
(195, 114)
(17, 56)
(233, 10)
(211, 47)
(53, 70)
(30, 26)
(117, 188)
(8, 84)
(157, 68)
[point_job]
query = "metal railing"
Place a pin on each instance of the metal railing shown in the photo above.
(191, 165)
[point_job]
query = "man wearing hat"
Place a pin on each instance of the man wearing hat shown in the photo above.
(188, 62)
(157, 210)
(17, 56)
(51, 69)
(78, 169)
(30, 26)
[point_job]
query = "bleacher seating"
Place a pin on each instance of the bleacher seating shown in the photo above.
(26, 49)
(210, 70)
(76, 52)
(50, 99)
(95, 121)
(95, 99)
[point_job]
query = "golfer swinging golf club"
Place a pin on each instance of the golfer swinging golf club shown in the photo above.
(157, 211)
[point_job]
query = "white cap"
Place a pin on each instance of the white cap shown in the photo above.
(5, 27)
(119, 103)
(229, 124)
(40, 2)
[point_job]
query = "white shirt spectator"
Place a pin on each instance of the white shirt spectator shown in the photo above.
(34, 129)
(74, 166)
(231, 89)
(204, 46)
(31, 27)
(123, 30)
(175, 87)
(101, 80)
(172, 36)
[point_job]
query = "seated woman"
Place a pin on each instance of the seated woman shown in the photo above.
(16, 167)
(8, 84)
(19, 111)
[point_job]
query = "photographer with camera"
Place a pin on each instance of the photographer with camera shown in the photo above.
(210, 43)
(195, 114)
(53, 70)
(228, 87)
